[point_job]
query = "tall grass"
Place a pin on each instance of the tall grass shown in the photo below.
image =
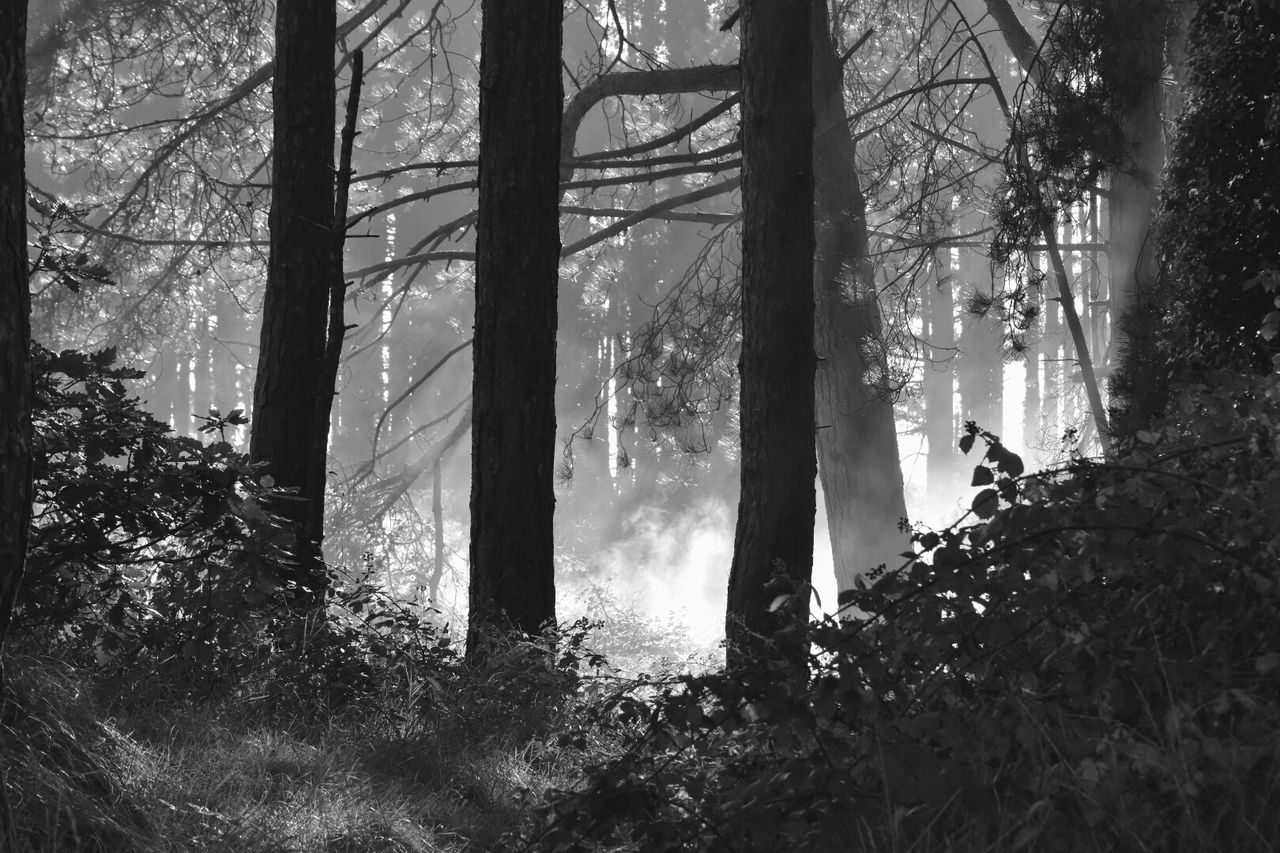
(87, 770)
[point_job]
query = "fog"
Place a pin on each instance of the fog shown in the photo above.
(647, 422)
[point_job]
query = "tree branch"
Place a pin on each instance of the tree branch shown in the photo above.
(667, 81)
(648, 212)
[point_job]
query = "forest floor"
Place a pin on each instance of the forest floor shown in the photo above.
(86, 774)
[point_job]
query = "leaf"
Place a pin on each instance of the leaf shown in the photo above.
(1006, 460)
(983, 476)
(1270, 326)
(966, 443)
(985, 503)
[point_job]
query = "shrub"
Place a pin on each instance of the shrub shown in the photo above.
(143, 543)
(1090, 662)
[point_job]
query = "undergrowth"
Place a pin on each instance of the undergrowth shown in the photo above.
(428, 755)
(1090, 662)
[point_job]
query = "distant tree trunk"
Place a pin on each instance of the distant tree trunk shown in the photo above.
(939, 395)
(980, 365)
(228, 334)
(981, 377)
(15, 343)
(517, 275)
(1054, 386)
(202, 370)
(777, 505)
(1031, 389)
(179, 381)
(857, 438)
(295, 312)
(437, 525)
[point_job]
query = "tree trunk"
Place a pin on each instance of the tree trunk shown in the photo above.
(979, 364)
(15, 315)
(517, 272)
(939, 395)
(1134, 185)
(777, 504)
(15, 344)
(1031, 387)
(295, 312)
(179, 378)
(202, 371)
(1054, 386)
(857, 439)
(228, 335)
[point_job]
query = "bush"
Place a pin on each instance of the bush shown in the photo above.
(143, 543)
(1090, 663)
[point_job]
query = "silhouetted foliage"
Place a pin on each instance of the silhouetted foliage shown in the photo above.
(142, 539)
(1090, 663)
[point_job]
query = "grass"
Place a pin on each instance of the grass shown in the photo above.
(86, 774)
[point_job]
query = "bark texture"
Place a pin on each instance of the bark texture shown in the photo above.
(15, 345)
(857, 439)
(15, 316)
(1135, 183)
(517, 272)
(777, 504)
(286, 432)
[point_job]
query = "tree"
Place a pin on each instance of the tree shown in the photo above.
(857, 438)
(517, 271)
(777, 504)
(15, 309)
(1097, 108)
(15, 341)
(288, 433)
(1219, 225)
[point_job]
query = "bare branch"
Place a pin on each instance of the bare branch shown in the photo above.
(667, 81)
(649, 212)
(398, 486)
(408, 392)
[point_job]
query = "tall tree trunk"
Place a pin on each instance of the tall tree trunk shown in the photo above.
(295, 312)
(979, 364)
(1054, 385)
(857, 439)
(939, 394)
(777, 504)
(1135, 185)
(15, 314)
(179, 379)
(15, 343)
(437, 532)
(202, 371)
(517, 272)
(1031, 387)
(228, 333)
